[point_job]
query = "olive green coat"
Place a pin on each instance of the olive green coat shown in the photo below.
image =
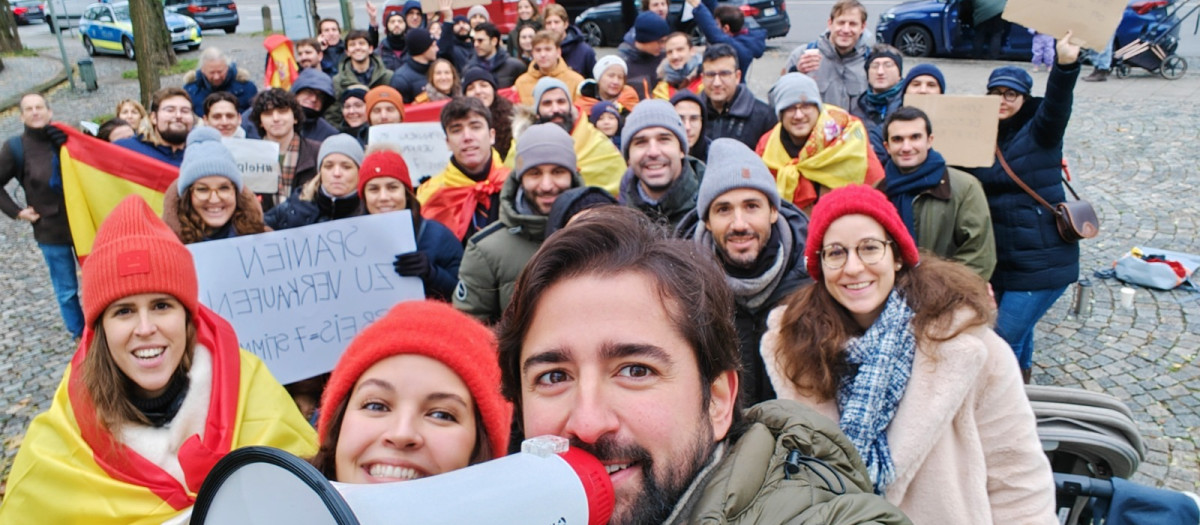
(956, 224)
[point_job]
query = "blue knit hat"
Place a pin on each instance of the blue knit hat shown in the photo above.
(1011, 77)
(649, 27)
(651, 114)
(601, 108)
(922, 70)
(206, 156)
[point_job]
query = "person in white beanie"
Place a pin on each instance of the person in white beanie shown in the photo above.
(609, 86)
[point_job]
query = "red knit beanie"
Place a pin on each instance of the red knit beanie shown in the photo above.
(436, 330)
(856, 199)
(134, 253)
(383, 163)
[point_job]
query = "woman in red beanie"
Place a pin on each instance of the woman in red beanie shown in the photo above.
(383, 186)
(898, 348)
(156, 394)
(415, 394)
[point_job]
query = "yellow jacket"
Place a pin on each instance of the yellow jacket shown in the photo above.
(525, 83)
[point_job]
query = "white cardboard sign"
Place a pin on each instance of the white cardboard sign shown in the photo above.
(422, 144)
(258, 160)
(297, 297)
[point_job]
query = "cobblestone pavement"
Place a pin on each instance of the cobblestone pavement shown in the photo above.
(1131, 149)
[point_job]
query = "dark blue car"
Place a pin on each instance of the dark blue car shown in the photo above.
(933, 28)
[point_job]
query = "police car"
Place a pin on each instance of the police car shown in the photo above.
(107, 28)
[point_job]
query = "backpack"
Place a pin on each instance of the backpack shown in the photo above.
(18, 152)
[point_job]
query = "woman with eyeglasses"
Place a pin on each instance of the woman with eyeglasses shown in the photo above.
(208, 201)
(1034, 265)
(897, 347)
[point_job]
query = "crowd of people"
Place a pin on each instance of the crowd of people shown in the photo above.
(709, 292)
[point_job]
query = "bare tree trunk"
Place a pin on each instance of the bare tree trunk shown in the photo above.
(152, 47)
(10, 39)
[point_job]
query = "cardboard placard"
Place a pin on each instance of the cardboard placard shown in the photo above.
(964, 126)
(1092, 22)
(297, 297)
(422, 144)
(258, 160)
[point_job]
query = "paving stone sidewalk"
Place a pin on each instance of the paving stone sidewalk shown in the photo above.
(1131, 146)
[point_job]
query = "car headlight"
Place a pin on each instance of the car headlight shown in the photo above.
(887, 16)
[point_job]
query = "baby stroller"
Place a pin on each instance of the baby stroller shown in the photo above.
(1154, 49)
(1093, 443)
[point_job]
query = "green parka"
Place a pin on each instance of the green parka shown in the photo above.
(495, 256)
(953, 221)
(792, 465)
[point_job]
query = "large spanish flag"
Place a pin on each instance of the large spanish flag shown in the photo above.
(97, 175)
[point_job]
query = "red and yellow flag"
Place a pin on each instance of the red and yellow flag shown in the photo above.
(97, 175)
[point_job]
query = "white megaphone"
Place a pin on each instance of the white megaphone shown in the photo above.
(546, 483)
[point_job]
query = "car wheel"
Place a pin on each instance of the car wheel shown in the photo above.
(127, 45)
(1173, 67)
(89, 46)
(914, 41)
(230, 30)
(592, 34)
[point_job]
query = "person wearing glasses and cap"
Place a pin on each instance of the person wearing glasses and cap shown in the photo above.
(896, 346)
(1034, 265)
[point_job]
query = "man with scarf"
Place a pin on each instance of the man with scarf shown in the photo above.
(464, 197)
(32, 159)
(944, 209)
(885, 93)
(662, 181)
(494, 257)
(815, 147)
(680, 71)
(759, 243)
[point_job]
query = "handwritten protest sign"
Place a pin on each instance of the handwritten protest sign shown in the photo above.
(258, 160)
(422, 144)
(431, 6)
(964, 127)
(297, 297)
(1091, 22)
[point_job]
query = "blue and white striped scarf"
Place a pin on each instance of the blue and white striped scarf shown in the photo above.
(868, 398)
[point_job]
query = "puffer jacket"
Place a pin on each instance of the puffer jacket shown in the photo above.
(236, 82)
(841, 78)
(1029, 253)
(445, 255)
(792, 466)
(745, 118)
(675, 204)
(578, 55)
(310, 205)
(410, 79)
(504, 68)
(751, 323)
(642, 67)
(391, 56)
(495, 256)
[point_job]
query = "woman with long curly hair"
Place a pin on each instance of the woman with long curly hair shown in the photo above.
(898, 348)
(157, 393)
(209, 201)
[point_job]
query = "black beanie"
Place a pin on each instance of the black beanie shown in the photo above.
(417, 41)
(477, 73)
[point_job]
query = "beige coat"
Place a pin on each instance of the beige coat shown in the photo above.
(964, 440)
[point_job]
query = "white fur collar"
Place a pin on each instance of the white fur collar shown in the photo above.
(161, 445)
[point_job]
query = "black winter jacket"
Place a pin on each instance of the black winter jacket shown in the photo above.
(410, 79)
(643, 69)
(1029, 253)
(577, 53)
(746, 118)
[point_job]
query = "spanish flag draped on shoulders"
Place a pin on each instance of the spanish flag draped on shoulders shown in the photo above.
(836, 153)
(72, 469)
(455, 199)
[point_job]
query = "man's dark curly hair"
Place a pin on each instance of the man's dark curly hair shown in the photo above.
(271, 99)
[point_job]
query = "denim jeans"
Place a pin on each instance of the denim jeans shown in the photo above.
(60, 259)
(1018, 314)
(1103, 59)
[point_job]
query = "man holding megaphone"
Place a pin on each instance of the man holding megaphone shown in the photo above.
(621, 340)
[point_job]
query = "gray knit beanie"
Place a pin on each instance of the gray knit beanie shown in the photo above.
(545, 144)
(792, 89)
(733, 165)
(653, 113)
(545, 84)
(204, 156)
(479, 10)
(344, 144)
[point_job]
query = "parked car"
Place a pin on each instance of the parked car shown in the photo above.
(106, 28)
(210, 14)
(602, 25)
(27, 12)
(934, 28)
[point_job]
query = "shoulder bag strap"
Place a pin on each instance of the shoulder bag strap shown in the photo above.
(1016, 179)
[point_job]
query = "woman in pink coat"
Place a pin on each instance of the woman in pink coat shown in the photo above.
(899, 350)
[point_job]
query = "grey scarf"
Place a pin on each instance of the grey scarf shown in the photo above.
(753, 292)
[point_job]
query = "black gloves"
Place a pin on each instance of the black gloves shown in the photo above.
(56, 136)
(414, 264)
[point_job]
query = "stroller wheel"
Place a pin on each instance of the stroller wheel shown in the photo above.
(1173, 67)
(1121, 70)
